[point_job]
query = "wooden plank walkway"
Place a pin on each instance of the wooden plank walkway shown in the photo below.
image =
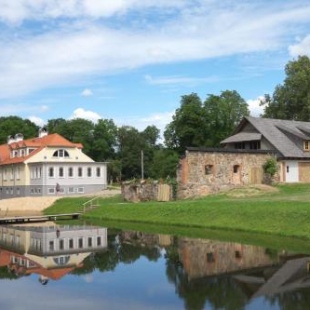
(38, 218)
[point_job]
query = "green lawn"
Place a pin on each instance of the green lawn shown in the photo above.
(285, 212)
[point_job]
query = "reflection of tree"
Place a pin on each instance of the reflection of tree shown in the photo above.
(6, 273)
(88, 266)
(129, 253)
(297, 300)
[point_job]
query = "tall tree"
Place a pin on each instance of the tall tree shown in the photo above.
(188, 126)
(292, 99)
(223, 113)
(130, 145)
(104, 143)
(11, 125)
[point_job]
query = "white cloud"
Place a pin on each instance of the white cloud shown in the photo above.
(254, 107)
(300, 48)
(86, 92)
(168, 80)
(67, 51)
(85, 114)
(37, 120)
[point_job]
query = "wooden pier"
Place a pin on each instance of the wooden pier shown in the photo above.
(38, 218)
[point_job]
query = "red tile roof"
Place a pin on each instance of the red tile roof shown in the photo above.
(52, 140)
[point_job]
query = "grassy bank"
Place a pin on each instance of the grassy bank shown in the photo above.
(284, 212)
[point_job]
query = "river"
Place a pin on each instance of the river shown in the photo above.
(89, 267)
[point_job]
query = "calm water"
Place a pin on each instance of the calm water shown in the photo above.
(86, 267)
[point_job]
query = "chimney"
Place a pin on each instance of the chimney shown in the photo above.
(10, 139)
(19, 137)
(42, 132)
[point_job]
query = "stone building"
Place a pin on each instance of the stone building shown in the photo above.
(241, 159)
(206, 171)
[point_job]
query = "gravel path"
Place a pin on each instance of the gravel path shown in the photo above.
(35, 205)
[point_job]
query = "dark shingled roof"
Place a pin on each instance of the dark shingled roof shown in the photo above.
(280, 133)
(243, 137)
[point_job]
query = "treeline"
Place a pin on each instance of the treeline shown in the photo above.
(195, 123)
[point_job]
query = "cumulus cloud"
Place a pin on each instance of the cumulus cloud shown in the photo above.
(86, 92)
(37, 120)
(86, 114)
(300, 48)
(254, 107)
(79, 48)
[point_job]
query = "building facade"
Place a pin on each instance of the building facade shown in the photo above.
(48, 165)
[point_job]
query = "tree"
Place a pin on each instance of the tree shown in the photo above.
(223, 113)
(292, 99)
(188, 126)
(104, 140)
(164, 164)
(11, 125)
(130, 145)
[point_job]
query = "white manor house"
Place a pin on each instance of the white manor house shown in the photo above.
(48, 165)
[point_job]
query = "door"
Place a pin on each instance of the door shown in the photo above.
(291, 171)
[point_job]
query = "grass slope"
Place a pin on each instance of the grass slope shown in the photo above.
(284, 212)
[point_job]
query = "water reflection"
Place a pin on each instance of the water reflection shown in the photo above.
(48, 251)
(127, 265)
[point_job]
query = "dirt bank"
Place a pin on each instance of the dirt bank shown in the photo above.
(35, 205)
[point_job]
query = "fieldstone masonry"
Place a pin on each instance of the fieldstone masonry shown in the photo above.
(203, 172)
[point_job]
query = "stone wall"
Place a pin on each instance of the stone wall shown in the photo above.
(147, 191)
(205, 172)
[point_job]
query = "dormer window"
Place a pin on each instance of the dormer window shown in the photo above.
(61, 153)
(306, 146)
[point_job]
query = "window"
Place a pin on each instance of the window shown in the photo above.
(90, 241)
(236, 168)
(89, 171)
(80, 243)
(98, 172)
(51, 190)
(208, 169)
(51, 172)
(70, 172)
(210, 257)
(306, 146)
(80, 172)
(61, 244)
(70, 243)
(51, 245)
(61, 153)
(61, 172)
(5, 174)
(71, 190)
(255, 145)
(240, 145)
(238, 254)
(98, 240)
(80, 190)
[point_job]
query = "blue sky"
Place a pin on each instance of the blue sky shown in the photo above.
(132, 60)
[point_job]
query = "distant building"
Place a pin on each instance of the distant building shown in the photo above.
(241, 159)
(48, 165)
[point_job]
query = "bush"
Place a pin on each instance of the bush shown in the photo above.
(271, 166)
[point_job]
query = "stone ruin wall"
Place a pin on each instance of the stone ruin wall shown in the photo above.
(194, 182)
(148, 191)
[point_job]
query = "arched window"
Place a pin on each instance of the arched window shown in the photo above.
(61, 153)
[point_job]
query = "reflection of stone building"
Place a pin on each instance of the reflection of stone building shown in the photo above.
(50, 251)
(146, 239)
(203, 258)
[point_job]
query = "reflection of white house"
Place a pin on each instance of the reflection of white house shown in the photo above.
(50, 251)
(47, 165)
